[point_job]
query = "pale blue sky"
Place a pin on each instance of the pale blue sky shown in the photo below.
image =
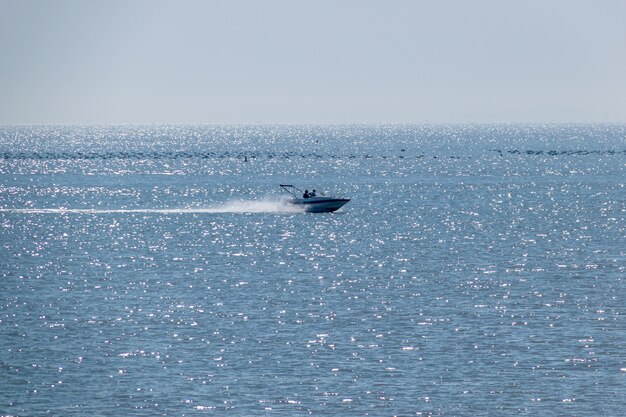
(333, 61)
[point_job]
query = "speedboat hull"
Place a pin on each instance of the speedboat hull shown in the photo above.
(320, 204)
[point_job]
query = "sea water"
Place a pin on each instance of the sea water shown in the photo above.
(154, 270)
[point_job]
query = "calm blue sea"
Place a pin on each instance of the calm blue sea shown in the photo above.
(152, 271)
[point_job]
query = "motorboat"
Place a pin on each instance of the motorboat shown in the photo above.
(312, 203)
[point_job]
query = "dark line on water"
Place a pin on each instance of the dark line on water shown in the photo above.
(174, 155)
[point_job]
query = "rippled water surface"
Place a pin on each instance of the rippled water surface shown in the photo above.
(478, 270)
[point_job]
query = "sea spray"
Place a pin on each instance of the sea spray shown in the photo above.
(265, 205)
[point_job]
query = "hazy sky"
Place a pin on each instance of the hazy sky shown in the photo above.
(291, 61)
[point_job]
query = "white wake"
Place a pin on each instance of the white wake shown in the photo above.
(267, 205)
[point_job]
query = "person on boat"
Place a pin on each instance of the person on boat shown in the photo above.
(312, 194)
(306, 194)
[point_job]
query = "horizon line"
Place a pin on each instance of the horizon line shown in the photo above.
(428, 123)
